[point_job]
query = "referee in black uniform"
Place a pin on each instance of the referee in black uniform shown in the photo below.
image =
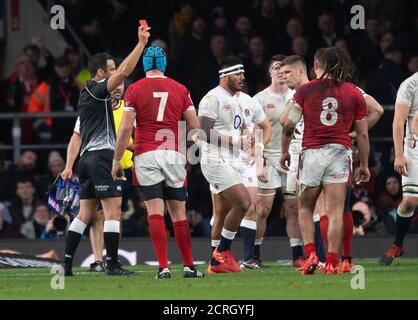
(98, 144)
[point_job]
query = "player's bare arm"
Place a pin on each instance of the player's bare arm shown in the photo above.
(73, 150)
(122, 142)
(295, 114)
(128, 65)
(375, 112)
(192, 121)
(401, 115)
(266, 130)
(361, 127)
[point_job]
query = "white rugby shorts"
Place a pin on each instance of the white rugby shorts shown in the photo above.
(220, 176)
(329, 164)
(152, 167)
(410, 182)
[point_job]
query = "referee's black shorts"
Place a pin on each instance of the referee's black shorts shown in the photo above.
(94, 171)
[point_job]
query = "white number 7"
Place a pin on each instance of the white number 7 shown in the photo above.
(163, 102)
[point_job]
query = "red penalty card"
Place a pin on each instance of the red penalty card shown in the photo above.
(143, 23)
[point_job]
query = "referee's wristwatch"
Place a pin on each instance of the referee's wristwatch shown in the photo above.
(116, 162)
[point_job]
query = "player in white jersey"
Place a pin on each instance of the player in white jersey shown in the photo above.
(222, 121)
(259, 125)
(273, 100)
(414, 125)
(406, 162)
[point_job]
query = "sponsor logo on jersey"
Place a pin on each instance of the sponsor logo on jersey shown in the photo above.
(270, 106)
(247, 112)
(227, 107)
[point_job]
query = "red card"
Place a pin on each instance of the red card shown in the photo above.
(143, 23)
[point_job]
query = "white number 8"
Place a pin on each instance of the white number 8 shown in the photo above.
(329, 111)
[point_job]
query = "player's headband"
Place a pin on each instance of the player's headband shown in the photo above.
(238, 68)
(274, 65)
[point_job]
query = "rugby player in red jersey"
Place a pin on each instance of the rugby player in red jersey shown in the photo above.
(158, 104)
(330, 105)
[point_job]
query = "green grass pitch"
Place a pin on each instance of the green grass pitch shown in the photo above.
(398, 281)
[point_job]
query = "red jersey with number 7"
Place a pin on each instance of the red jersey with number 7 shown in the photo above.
(159, 103)
(329, 112)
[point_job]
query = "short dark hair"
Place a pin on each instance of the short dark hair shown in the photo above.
(294, 59)
(277, 58)
(25, 179)
(98, 61)
(230, 61)
(32, 47)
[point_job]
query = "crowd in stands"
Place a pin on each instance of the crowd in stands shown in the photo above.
(196, 36)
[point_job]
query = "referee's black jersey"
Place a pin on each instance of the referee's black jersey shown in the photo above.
(97, 126)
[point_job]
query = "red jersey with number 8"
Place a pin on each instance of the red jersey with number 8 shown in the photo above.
(159, 103)
(329, 112)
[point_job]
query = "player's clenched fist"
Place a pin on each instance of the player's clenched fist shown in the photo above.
(401, 165)
(143, 35)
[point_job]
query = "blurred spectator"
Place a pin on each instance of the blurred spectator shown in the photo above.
(372, 224)
(389, 200)
(6, 229)
(294, 29)
(268, 24)
(23, 206)
(15, 93)
(35, 227)
(180, 23)
(368, 46)
(302, 10)
(386, 41)
(412, 65)
(355, 62)
(80, 73)
(56, 227)
(219, 21)
(256, 66)
(239, 39)
(205, 75)
(327, 34)
(26, 167)
(383, 83)
(300, 46)
(390, 12)
(60, 92)
(199, 226)
(199, 206)
(185, 53)
(35, 52)
(56, 165)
